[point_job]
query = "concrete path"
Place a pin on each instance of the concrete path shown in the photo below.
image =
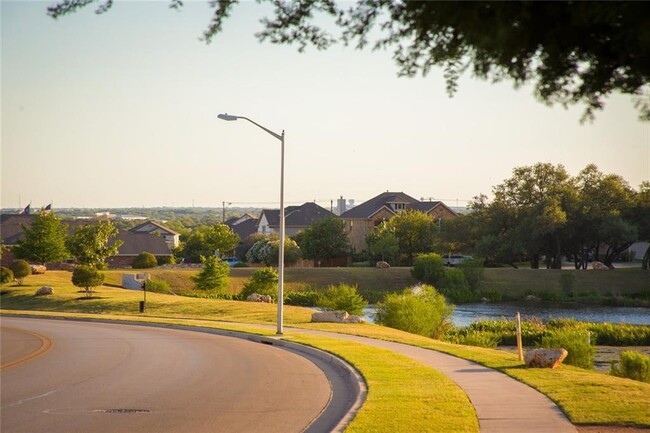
(503, 404)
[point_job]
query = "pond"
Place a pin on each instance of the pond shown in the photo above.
(465, 314)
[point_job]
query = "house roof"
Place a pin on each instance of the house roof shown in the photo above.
(370, 207)
(11, 227)
(297, 216)
(136, 243)
(384, 200)
(245, 228)
(154, 223)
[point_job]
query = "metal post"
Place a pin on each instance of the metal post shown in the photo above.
(281, 249)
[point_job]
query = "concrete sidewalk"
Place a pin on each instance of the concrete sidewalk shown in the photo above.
(502, 404)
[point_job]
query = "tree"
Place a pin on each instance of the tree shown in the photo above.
(383, 244)
(6, 276)
(271, 251)
(91, 244)
(641, 215)
(573, 52)
(21, 270)
(87, 277)
(414, 231)
(213, 276)
(44, 241)
(343, 297)
(324, 240)
(208, 240)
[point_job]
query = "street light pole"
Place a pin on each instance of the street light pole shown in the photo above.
(280, 137)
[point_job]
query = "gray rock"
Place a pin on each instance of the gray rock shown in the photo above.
(335, 317)
(382, 265)
(45, 290)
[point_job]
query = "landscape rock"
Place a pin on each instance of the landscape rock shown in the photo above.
(545, 358)
(599, 266)
(532, 298)
(45, 290)
(382, 265)
(38, 269)
(256, 297)
(336, 317)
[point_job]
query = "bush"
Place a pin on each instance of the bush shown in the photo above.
(567, 282)
(87, 277)
(454, 286)
(166, 260)
(428, 268)
(343, 297)
(473, 271)
(21, 270)
(213, 276)
(576, 342)
(264, 282)
(419, 310)
(470, 337)
(6, 276)
(157, 286)
(303, 298)
(633, 365)
(145, 260)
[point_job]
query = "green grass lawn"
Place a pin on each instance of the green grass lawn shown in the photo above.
(587, 397)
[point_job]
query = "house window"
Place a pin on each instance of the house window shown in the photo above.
(399, 206)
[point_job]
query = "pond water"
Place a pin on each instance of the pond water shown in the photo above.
(465, 314)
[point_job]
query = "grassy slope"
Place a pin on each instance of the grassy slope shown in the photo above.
(511, 282)
(586, 397)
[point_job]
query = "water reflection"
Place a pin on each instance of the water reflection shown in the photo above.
(468, 313)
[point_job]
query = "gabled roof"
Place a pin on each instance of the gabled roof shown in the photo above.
(136, 243)
(297, 216)
(245, 228)
(230, 222)
(11, 227)
(154, 223)
(368, 208)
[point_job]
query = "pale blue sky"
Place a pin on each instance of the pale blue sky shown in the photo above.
(120, 110)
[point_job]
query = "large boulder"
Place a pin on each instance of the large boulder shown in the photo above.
(45, 290)
(382, 265)
(545, 358)
(256, 297)
(599, 266)
(38, 269)
(335, 317)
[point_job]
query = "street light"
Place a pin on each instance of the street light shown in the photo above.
(280, 137)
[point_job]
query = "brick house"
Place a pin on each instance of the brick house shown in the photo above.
(360, 220)
(151, 227)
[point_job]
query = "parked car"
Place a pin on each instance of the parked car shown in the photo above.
(454, 259)
(232, 261)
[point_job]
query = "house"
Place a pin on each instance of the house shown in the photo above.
(134, 243)
(296, 218)
(244, 225)
(151, 227)
(361, 219)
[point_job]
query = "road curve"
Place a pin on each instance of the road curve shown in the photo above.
(119, 378)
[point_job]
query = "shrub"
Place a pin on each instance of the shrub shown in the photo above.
(213, 276)
(21, 270)
(567, 282)
(343, 297)
(157, 286)
(6, 276)
(633, 365)
(303, 298)
(166, 260)
(473, 271)
(576, 342)
(264, 282)
(428, 268)
(454, 286)
(470, 337)
(419, 310)
(87, 277)
(145, 260)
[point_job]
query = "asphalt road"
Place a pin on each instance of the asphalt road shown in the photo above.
(60, 376)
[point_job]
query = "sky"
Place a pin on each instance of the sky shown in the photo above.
(119, 110)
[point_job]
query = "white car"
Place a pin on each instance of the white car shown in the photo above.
(454, 259)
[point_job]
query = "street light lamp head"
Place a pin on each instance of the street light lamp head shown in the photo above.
(227, 116)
